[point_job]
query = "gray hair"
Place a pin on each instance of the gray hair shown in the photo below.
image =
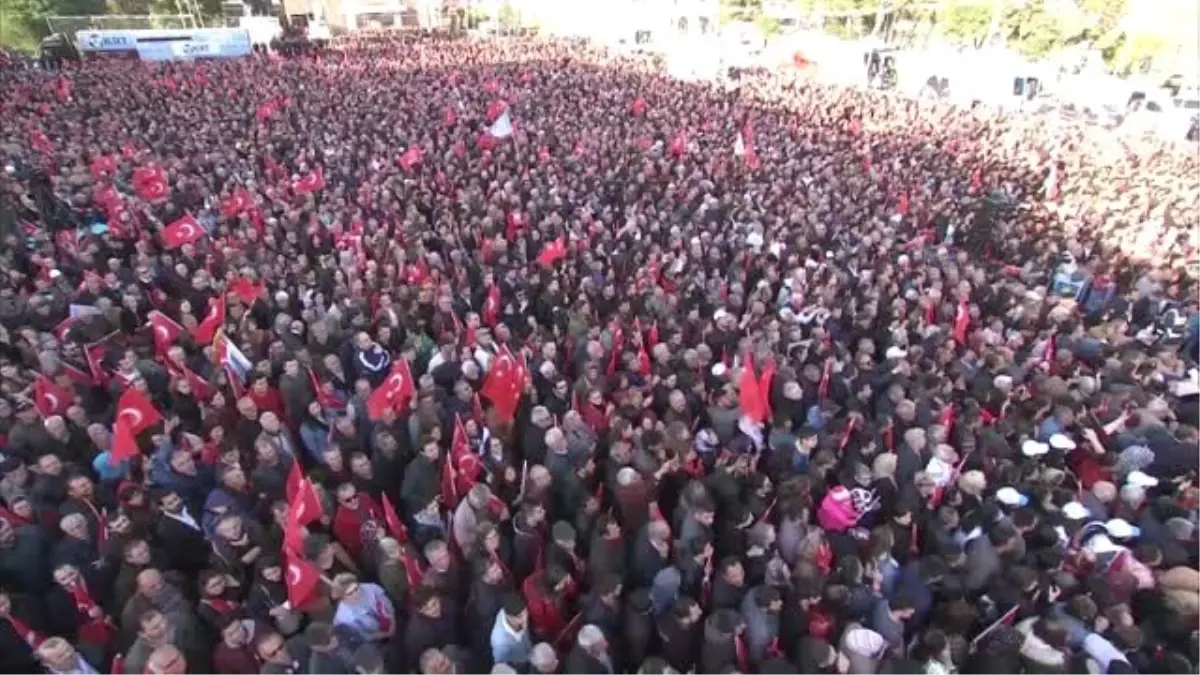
(503, 669)
(390, 548)
(542, 656)
(590, 636)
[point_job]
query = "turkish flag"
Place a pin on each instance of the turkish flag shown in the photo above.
(449, 116)
(764, 386)
(49, 398)
(248, 291)
(459, 446)
(136, 408)
(678, 144)
(202, 389)
(467, 471)
(124, 442)
(302, 579)
(103, 167)
(186, 230)
(310, 182)
(639, 106)
(95, 353)
(166, 331)
(449, 484)
(962, 320)
(326, 399)
(410, 158)
(76, 375)
(213, 320)
(503, 386)
(306, 507)
(552, 252)
(294, 478)
(749, 395)
(150, 183)
(394, 524)
(491, 306)
(236, 203)
(396, 390)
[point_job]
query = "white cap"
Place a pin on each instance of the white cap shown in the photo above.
(1032, 448)
(720, 314)
(1141, 479)
(1075, 511)
(754, 240)
(718, 369)
(1121, 529)
(895, 353)
(1010, 497)
(1062, 442)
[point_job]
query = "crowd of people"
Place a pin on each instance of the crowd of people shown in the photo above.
(443, 356)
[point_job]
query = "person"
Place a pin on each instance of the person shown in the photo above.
(510, 634)
(701, 376)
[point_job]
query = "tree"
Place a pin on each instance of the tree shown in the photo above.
(966, 23)
(1035, 30)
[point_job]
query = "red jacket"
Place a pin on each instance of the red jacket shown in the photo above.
(348, 523)
(546, 612)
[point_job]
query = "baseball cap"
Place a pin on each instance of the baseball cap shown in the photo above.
(1075, 511)
(1121, 529)
(1141, 479)
(1010, 497)
(1033, 448)
(1062, 442)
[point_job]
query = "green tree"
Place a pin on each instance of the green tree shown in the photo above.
(1036, 30)
(23, 22)
(966, 23)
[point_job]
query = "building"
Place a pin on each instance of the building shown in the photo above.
(355, 14)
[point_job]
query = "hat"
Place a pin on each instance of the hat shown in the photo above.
(1140, 479)
(1010, 497)
(1121, 529)
(1062, 442)
(792, 391)
(719, 369)
(720, 314)
(895, 353)
(1032, 448)
(1075, 511)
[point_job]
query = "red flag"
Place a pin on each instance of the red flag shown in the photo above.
(326, 399)
(449, 484)
(459, 446)
(95, 354)
(202, 389)
(306, 507)
(186, 230)
(504, 385)
(137, 410)
(166, 331)
(410, 158)
(76, 375)
(204, 331)
(150, 183)
(639, 106)
(764, 386)
(904, 204)
(491, 306)
(302, 579)
(678, 144)
(394, 524)
(826, 379)
(236, 203)
(1050, 350)
(750, 398)
(552, 252)
(49, 398)
(652, 335)
(449, 116)
(495, 109)
(124, 442)
(395, 391)
(294, 478)
(962, 320)
(103, 167)
(310, 182)
(248, 291)
(265, 111)
(118, 665)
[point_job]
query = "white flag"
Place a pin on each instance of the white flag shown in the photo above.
(502, 127)
(739, 146)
